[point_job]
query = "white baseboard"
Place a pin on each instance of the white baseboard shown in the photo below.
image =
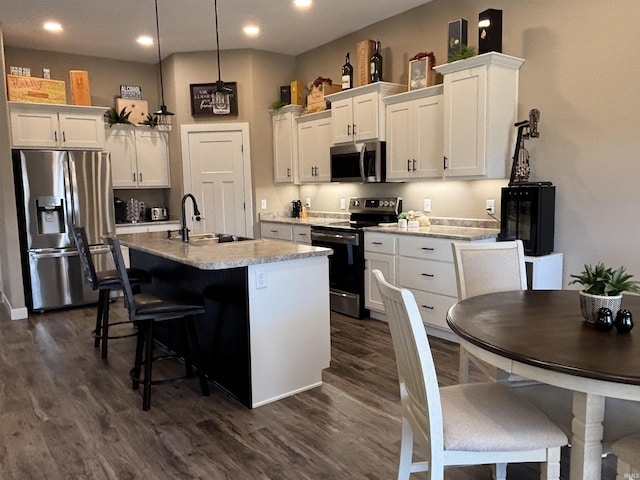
(14, 313)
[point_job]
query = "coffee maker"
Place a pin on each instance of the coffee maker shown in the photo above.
(296, 208)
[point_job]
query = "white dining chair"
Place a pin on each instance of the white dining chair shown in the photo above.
(487, 268)
(466, 424)
(628, 452)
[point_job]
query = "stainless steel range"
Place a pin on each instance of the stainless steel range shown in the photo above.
(346, 265)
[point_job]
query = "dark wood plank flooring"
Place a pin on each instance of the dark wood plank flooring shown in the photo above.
(64, 414)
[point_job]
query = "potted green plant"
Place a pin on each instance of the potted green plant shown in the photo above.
(603, 287)
(112, 116)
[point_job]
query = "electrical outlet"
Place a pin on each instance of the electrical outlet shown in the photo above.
(491, 206)
(307, 202)
(263, 204)
(343, 204)
(427, 205)
(261, 278)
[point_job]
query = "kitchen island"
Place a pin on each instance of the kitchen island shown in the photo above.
(265, 332)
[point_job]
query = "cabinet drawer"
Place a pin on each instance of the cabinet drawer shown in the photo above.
(427, 275)
(302, 234)
(380, 243)
(434, 307)
(277, 231)
(426, 247)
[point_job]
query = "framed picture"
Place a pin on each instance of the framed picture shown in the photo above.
(418, 73)
(201, 104)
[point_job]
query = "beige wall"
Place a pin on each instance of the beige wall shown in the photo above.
(10, 269)
(580, 72)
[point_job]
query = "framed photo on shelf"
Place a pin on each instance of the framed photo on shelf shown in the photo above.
(201, 102)
(418, 73)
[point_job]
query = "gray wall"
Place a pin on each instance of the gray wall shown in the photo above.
(581, 72)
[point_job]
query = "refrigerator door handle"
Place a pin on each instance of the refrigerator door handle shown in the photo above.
(72, 190)
(53, 252)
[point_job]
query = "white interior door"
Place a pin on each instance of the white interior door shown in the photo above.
(217, 172)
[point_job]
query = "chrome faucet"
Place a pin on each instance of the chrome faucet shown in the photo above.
(184, 231)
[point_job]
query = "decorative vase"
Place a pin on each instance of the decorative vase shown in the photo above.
(590, 304)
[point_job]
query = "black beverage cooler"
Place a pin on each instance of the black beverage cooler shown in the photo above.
(527, 213)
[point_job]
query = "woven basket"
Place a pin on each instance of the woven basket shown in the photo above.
(589, 305)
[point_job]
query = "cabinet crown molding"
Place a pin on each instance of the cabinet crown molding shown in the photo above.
(490, 58)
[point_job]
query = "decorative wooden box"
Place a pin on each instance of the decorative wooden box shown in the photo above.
(35, 90)
(316, 101)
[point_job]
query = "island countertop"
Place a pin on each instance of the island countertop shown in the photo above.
(219, 256)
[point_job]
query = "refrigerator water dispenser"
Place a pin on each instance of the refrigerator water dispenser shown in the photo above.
(50, 215)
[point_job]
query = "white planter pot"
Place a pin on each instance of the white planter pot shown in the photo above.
(589, 305)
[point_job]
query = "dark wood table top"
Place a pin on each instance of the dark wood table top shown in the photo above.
(545, 328)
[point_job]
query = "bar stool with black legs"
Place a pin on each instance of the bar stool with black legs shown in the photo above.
(104, 282)
(145, 310)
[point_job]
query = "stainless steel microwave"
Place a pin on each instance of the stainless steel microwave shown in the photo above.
(358, 162)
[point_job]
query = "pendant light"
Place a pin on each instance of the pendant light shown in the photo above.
(163, 116)
(220, 95)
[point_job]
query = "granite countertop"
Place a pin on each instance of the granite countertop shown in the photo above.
(207, 255)
(314, 218)
(441, 231)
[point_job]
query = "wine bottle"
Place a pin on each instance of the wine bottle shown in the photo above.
(347, 74)
(376, 64)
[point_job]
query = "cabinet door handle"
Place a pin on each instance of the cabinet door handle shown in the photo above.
(414, 164)
(430, 275)
(64, 137)
(429, 249)
(288, 172)
(408, 165)
(354, 129)
(140, 176)
(133, 175)
(273, 231)
(348, 130)
(445, 162)
(55, 136)
(376, 243)
(427, 307)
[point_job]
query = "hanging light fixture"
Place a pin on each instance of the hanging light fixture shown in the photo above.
(221, 95)
(163, 116)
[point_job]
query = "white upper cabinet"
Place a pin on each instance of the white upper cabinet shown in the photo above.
(139, 157)
(314, 141)
(37, 125)
(415, 134)
(358, 113)
(481, 101)
(285, 144)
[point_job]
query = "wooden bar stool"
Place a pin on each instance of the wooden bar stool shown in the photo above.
(145, 310)
(104, 282)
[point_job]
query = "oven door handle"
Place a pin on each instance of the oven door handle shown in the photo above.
(341, 238)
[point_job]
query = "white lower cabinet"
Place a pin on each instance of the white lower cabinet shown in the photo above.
(287, 232)
(418, 263)
(380, 254)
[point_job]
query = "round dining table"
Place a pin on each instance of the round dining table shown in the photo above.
(541, 335)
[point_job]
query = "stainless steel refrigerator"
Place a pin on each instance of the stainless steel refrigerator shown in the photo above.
(56, 190)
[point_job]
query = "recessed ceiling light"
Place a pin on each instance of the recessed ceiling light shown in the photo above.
(302, 3)
(53, 26)
(251, 30)
(145, 40)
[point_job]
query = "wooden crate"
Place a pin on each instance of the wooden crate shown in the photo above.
(316, 101)
(35, 90)
(297, 93)
(80, 91)
(364, 50)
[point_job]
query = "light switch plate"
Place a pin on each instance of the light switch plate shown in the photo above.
(426, 208)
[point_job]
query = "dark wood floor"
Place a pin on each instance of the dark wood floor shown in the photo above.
(66, 414)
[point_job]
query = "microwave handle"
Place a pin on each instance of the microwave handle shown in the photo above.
(363, 151)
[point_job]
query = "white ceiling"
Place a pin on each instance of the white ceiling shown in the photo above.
(109, 28)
